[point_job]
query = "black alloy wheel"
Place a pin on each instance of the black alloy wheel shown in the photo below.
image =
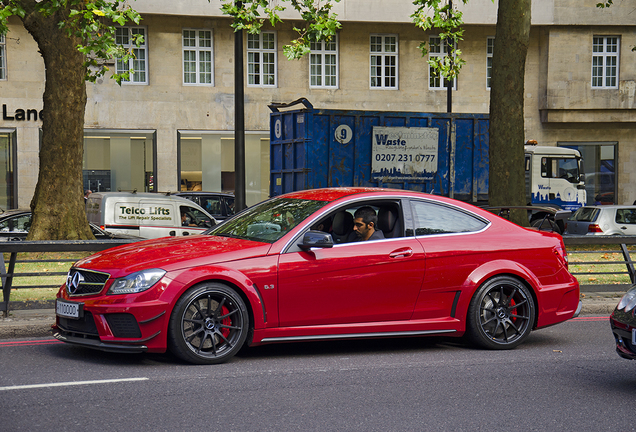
(501, 314)
(209, 324)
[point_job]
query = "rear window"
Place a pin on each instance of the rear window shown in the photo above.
(585, 214)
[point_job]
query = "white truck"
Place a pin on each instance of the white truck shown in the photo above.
(554, 176)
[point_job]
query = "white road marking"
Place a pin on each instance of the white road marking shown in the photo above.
(71, 383)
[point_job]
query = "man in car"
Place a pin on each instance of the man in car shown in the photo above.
(364, 223)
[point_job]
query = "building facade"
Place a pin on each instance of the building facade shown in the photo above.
(171, 126)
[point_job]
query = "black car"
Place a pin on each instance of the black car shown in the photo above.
(15, 224)
(623, 323)
(218, 204)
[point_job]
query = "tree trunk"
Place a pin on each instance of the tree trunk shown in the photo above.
(506, 173)
(58, 203)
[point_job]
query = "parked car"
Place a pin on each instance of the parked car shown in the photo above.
(603, 220)
(218, 204)
(287, 270)
(623, 324)
(15, 224)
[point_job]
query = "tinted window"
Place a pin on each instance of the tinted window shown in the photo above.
(585, 214)
(626, 216)
(429, 218)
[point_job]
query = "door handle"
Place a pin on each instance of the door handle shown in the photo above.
(172, 233)
(402, 253)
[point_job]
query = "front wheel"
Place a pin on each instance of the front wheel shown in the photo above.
(501, 314)
(208, 325)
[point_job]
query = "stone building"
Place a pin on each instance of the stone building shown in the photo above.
(171, 127)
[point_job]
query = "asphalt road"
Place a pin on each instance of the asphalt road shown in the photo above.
(565, 377)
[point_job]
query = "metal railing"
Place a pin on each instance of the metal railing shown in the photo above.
(621, 242)
(13, 248)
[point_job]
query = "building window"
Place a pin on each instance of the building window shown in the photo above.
(438, 48)
(8, 162)
(205, 162)
(261, 59)
(3, 58)
(490, 46)
(605, 51)
(197, 57)
(384, 61)
(138, 64)
(323, 64)
(115, 160)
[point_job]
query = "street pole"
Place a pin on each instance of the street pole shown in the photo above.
(449, 82)
(239, 124)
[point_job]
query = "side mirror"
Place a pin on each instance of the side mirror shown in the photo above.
(317, 239)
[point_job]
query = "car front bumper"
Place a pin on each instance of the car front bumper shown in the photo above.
(624, 335)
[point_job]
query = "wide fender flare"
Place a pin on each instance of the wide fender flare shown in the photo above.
(494, 268)
(190, 277)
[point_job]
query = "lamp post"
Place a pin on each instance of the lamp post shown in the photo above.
(239, 122)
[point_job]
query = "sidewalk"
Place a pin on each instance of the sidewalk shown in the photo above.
(31, 323)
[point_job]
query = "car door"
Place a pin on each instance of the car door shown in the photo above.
(358, 282)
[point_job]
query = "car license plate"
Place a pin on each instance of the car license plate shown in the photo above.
(634, 337)
(68, 309)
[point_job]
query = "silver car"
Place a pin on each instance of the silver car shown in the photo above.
(603, 220)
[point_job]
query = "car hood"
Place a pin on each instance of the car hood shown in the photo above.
(172, 253)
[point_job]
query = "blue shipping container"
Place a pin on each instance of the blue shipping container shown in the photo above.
(315, 148)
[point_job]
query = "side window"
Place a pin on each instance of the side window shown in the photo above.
(386, 216)
(191, 216)
(211, 205)
(626, 216)
(429, 218)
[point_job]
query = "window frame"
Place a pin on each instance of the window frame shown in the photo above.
(490, 49)
(198, 51)
(441, 53)
(605, 80)
(3, 58)
(261, 52)
(131, 62)
(322, 52)
(384, 55)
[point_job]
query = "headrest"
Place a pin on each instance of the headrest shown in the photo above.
(342, 223)
(387, 216)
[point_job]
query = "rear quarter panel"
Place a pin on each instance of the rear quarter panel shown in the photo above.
(463, 262)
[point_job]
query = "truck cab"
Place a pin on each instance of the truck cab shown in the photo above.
(554, 177)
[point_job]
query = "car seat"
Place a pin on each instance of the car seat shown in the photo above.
(342, 227)
(389, 222)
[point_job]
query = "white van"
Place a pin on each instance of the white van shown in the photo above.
(147, 215)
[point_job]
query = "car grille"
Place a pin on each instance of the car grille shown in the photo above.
(123, 325)
(84, 326)
(80, 282)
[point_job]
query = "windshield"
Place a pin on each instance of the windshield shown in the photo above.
(267, 221)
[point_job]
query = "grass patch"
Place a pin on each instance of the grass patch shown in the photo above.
(60, 262)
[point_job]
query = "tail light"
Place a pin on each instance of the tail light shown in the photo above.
(561, 254)
(594, 228)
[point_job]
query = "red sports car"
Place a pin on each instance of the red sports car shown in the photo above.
(297, 268)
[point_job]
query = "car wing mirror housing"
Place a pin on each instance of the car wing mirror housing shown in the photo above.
(316, 239)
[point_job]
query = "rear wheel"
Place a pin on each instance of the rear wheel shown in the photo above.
(208, 325)
(501, 314)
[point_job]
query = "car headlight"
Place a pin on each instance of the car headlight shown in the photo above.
(136, 282)
(628, 302)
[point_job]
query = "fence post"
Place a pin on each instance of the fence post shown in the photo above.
(629, 263)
